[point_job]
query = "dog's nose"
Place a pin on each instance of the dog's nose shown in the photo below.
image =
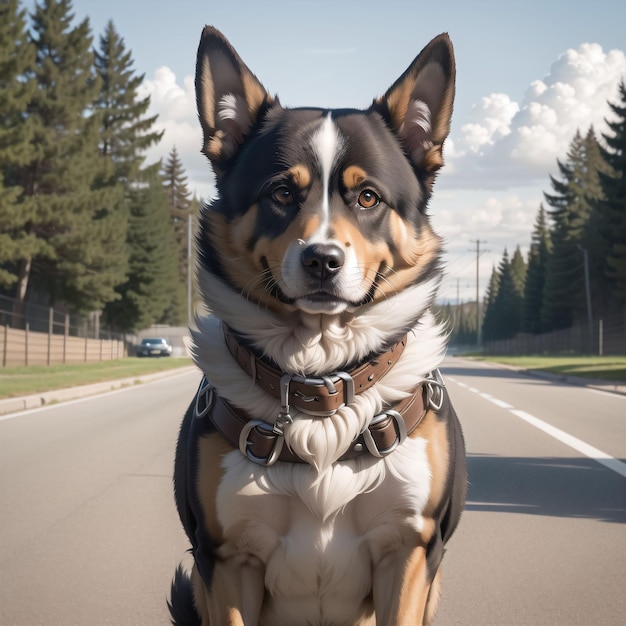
(322, 260)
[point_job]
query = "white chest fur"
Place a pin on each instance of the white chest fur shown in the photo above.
(319, 536)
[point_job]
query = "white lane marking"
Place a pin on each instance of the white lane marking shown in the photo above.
(560, 435)
(500, 403)
(55, 405)
(571, 441)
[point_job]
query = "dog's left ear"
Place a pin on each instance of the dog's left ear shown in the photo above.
(228, 95)
(418, 106)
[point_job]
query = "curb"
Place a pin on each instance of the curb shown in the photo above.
(37, 400)
(608, 386)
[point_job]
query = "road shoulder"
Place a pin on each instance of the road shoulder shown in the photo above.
(37, 400)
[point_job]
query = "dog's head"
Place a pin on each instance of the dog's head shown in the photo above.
(321, 211)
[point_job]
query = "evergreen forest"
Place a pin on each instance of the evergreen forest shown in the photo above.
(85, 223)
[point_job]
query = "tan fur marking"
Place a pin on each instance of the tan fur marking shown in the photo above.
(353, 176)
(398, 102)
(300, 175)
(433, 159)
(441, 122)
(206, 110)
(273, 250)
(436, 433)
(413, 254)
(370, 255)
(229, 239)
(414, 590)
(243, 267)
(255, 93)
(433, 599)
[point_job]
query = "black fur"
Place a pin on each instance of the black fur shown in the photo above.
(181, 604)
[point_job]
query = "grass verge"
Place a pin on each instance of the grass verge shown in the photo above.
(611, 368)
(21, 381)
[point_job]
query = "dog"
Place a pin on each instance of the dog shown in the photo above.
(320, 468)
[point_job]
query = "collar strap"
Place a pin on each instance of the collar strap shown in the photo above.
(262, 444)
(317, 395)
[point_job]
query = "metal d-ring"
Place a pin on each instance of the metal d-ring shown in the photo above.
(401, 433)
(205, 392)
(435, 385)
(244, 444)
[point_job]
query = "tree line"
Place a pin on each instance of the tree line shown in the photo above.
(85, 224)
(576, 265)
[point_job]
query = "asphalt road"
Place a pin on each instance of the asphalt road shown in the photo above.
(543, 537)
(89, 533)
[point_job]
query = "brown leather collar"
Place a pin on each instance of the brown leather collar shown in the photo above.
(318, 395)
(263, 444)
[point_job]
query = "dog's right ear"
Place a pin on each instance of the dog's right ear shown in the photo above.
(228, 95)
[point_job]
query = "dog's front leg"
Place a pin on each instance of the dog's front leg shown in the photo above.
(235, 596)
(401, 588)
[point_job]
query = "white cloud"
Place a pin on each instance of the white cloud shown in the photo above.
(176, 108)
(491, 120)
(506, 144)
(499, 218)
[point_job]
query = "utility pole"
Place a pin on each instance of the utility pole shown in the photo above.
(479, 339)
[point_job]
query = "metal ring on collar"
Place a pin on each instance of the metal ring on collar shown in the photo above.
(401, 433)
(244, 444)
(205, 392)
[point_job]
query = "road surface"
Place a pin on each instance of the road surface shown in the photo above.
(543, 537)
(90, 536)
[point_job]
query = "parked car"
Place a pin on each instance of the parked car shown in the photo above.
(154, 347)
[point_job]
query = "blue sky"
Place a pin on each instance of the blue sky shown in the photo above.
(528, 75)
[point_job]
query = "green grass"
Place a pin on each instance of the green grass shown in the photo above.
(20, 381)
(611, 368)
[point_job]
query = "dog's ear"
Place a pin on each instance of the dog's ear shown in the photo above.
(228, 95)
(418, 106)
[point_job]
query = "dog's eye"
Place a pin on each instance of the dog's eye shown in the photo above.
(282, 195)
(368, 199)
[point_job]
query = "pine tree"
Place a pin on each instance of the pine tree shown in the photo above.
(74, 220)
(153, 285)
(125, 135)
(572, 205)
(17, 59)
(613, 207)
(518, 272)
(536, 275)
(465, 330)
(489, 305)
(125, 132)
(180, 205)
(505, 313)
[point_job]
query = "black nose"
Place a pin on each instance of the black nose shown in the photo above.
(322, 260)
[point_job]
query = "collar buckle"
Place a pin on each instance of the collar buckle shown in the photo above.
(266, 430)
